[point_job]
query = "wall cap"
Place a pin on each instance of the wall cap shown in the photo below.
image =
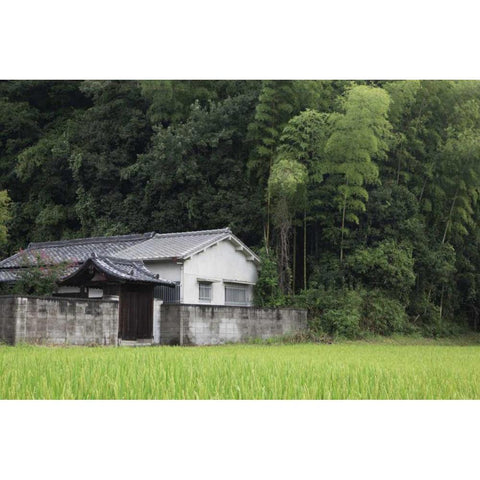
(208, 305)
(16, 295)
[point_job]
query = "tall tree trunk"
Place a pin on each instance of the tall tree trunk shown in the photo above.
(423, 190)
(449, 217)
(398, 169)
(267, 226)
(284, 259)
(294, 262)
(343, 225)
(269, 201)
(450, 213)
(305, 249)
(441, 302)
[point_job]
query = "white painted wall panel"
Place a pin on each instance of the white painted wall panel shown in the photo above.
(166, 270)
(217, 263)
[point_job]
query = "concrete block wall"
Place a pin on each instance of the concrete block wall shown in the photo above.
(8, 309)
(58, 321)
(210, 325)
(82, 321)
(157, 305)
(170, 324)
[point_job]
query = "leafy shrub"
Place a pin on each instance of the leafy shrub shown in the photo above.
(335, 312)
(388, 266)
(267, 291)
(39, 276)
(352, 312)
(382, 315)
(426, 317)
(344, 317)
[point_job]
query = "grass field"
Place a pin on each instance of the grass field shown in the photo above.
(306, 371)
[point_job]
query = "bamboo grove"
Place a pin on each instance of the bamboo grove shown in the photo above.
(361, 196)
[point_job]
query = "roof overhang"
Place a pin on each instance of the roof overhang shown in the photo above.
(97, 271)
(239, 247)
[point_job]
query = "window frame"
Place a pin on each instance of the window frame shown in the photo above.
(238, 287)
(210, 289)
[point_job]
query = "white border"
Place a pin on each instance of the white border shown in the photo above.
(238, 440)
(214, 39)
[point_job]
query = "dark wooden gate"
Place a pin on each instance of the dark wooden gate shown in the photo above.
(136, 312)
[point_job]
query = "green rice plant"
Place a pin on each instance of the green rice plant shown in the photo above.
(356, 370)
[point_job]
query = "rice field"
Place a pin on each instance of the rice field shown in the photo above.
(305, 371)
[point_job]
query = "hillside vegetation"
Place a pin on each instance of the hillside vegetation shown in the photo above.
(360, 196)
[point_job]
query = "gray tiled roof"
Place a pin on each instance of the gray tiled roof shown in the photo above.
(147, 246)
(75, 251)
(120, 269)
(11, 274)
(174, 245)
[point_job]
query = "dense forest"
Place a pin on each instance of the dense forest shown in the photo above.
(360, 196)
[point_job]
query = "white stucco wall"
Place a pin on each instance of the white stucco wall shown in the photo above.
(217, 264)
(167, 270)
(65, 290)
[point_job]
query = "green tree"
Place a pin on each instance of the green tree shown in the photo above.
(44, 170)
(194, 175)
(387, 266)
(287, 189)
(267, 292)
(304, 139)
(39, 275)
(104, 140)
(358, 136)
(5, 216)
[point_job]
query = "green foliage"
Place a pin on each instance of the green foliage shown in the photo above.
(304, 138)
(103, 141)
(193, 176)
(393, 212)
(337, 312)
(386, 173)
(360, 133)
(459, 181)
(39, 276)
(358, 136)
(276, 104)
(5, 216)
(388, 266)
(383, 315)
(287, 190)
(287, 180)
(350, 313)
(267, 292)
(343, 316)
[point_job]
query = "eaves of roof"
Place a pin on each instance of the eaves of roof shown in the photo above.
(119, 269)
(230, 236)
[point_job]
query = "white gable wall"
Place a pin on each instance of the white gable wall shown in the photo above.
(167, 270)
(217, 263)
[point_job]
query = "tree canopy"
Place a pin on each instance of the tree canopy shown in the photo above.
(361, 192)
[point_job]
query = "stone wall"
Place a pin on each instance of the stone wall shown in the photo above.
(58, 321)
(8, 311)
(210, 325)
(170, 324)
(82, 321)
